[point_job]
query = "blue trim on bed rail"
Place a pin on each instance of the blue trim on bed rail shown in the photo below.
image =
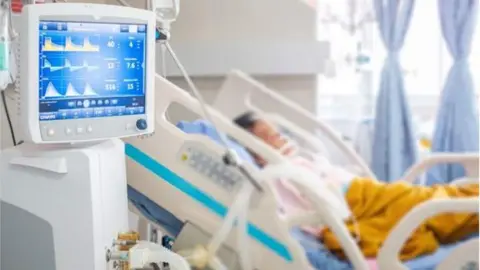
(207, 201)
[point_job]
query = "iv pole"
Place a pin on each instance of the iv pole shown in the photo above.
(7, 78)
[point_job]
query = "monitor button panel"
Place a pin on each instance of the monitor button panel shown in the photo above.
(202, 161)
(94, 128)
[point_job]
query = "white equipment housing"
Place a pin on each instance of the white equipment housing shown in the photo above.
(64, 204)
(62, 208)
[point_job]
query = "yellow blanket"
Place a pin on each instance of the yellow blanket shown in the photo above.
(378, 207)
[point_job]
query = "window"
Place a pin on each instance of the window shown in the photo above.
(424, 59)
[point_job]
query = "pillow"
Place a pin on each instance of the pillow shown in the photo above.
(205, 128)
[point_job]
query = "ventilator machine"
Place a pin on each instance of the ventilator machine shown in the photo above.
(86, 80)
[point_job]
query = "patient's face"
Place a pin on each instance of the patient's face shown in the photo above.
(270, 135)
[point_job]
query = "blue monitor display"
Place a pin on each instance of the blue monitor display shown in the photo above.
(91, 70)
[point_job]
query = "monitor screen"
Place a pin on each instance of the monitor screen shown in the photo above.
(90, 70)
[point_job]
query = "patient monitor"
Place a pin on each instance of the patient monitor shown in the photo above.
(87, 79)
(82, 72)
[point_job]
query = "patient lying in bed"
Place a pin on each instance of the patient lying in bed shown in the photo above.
(376, 206)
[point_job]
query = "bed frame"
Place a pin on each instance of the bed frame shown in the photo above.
(158, 166)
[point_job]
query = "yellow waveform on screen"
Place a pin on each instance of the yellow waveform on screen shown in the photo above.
(49, 46)
(85, 47)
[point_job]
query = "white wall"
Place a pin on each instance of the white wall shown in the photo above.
(300, 89)
(265, 37)
(274, 41)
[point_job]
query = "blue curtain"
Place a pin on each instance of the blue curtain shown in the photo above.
(457, 124)
(394, 145)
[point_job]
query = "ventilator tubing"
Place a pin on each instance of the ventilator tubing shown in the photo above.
(239, 211)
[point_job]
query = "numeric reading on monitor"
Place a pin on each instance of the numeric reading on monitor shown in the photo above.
(90, 70)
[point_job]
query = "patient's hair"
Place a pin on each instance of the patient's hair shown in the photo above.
(246, 120)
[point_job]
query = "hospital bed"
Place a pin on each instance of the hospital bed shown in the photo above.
(236, 96)
(160, 172)
(188, 201)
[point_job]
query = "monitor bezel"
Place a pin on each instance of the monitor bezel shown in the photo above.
(34, 129)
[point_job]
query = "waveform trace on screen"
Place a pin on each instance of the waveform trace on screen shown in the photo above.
(52, 92)
(68, 65)
(70, 46)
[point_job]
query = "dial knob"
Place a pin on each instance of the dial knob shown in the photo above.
(141, 124)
